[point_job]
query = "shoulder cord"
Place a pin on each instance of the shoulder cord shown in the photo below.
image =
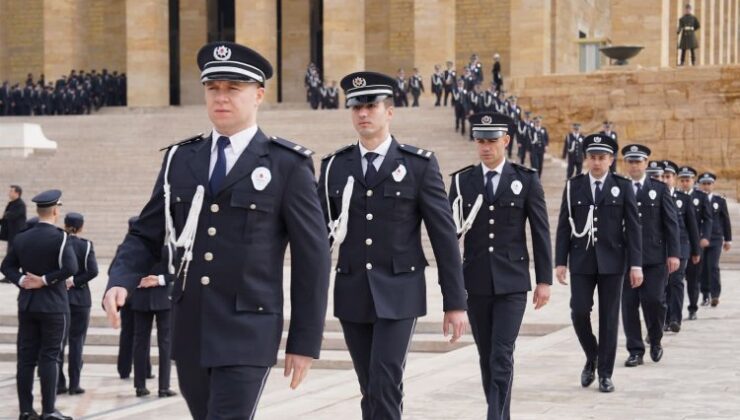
(587, 227)
(463, 225)
(338, 227)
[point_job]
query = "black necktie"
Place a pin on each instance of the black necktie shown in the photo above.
(488, 194)
(597, 192)
(370, 172)
(637, 187)
(219, 170)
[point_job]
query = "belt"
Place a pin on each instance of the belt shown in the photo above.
(688, 28)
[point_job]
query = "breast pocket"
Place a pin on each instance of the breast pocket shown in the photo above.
(257, 209)
(515, 207)
(404, 199)
(180, 201)
(614, 207)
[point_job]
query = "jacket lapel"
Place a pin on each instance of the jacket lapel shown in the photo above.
(354, 161)
(390, 163)
(507, 173)
(247, 161)
(476, 178)
(200, 161)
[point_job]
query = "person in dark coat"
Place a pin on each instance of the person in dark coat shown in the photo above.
(688, 24)
(721, 239)
(14, 216)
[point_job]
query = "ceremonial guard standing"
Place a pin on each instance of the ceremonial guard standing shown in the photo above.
(375, 194)
(688, 24)
(492, 202)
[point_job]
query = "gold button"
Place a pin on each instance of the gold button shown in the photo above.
(208, 256)
(205, 280)
(369, 266)
(368, 241)
(211, 231)
(490, 249)
(369, 193)
(369, 216)
(252, 206)
(214, 208)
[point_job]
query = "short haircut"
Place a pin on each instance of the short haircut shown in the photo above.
(45, 211)
(17, 189)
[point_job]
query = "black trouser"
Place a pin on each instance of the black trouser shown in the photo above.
(674, 294)
(582, 301)
(126, 344)
(693, 277)
(651, 297)
(495, 322)
(40, 340)
(510, 148)
(77, 333)
(224, 392)
(448, 92)
(379, 353)
(142, 339)
(460, 118)
(415, 94)
(711, 287)
(683, 57)
(536, 158)
(402, 99)
(438, 94)
(575, 167)
(521, 152)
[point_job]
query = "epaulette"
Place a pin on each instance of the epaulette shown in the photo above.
(522, 167)
(338, 151)
(426, 154)
(297, 148)
(577, 176)
(195, 138)
(620, 176)
(459, 171)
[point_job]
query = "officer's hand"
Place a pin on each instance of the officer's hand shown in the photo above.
(727, 246)
(113, 300)
(704, 243)
(459, 321)
(695, 259)
(673, 264)
(70, 283)
(541, 295)
(299, 366)
(636, 278)
(560, 272)
(149, 281)
(32, 281)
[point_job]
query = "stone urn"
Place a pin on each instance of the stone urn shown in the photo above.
(621, 53)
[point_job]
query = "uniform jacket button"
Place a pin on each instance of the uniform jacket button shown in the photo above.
(205, 280)
(369, 266)
(214, 208)
(211, 231)
(490, 249)
(260, 309)
(369, 216)
(252, 206)
(369, 193)
(413, 268)
(490, 221)
(368, 241)
(490, 208)
(208, 256)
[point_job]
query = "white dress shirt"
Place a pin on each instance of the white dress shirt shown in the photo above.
(593, 180)
(496, 178)
(381, 150)
(237, 144)
(641, 181)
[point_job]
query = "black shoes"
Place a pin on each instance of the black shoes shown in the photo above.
(675, 326)
(715, 302)
(62, 390)
(656, 352)
(76, 391)
(705, 302)
(606, 385)
(164, 393)
(633, 360)
(588, 374)
(142, 392)
(56, 415)
(692, 316)
(32, 415)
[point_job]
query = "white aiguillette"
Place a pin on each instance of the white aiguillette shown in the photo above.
(261, 176)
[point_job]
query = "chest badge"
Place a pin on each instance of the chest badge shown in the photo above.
(260, 178)
(516, 187)
(615, 192)
(679, 203)
(652, 194)
(400, 173)
(696, 201)
(716, 206)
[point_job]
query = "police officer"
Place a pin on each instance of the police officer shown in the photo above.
(450, 80)
(462, 105)
(703, 210)
(540, 141)
(607, 131)
(660, 252)
(14, 216)
(332, 96)
(598, 236)
(721, 238)
(497, 77)
(492, 202)
(151, 301)
(437, 84)
(39, 262)
(402, 89)
(689, 236)
(476, 68)
(375, 194)
(416, 85)
(654, 170)
(523, 136)
(688, 24)
(573, 151)
(245, 196)
(80, 302)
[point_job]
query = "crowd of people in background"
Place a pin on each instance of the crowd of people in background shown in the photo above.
(80, 92)
(318, 95)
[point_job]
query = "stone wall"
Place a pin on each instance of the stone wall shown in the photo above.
(688, 115)
(21, 39)
(484, 27)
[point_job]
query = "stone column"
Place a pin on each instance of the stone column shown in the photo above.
(703, 32)
(193, 35)
(147, 53)
(401, 36)
(296, 49)
(530, 42)
(256, 27)
(344, 38)
(61, 27)
(712, 31)
(434, 23)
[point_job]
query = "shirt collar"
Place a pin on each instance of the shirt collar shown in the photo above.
(381, 150)
(499, 169)
(602, 179)
(238, 141)
(641, 180)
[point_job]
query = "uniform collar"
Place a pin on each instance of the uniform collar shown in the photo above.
(381, 150)
(499, 169)
(238, 141)
(602, 179)
(641, 180)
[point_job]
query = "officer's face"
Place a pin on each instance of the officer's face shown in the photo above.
(12, 194)
(492, 152)
(686, 183)
(232, 106)
(707, 187)
(636, 167)
(669, 178)
(598, 163)
(372, 120)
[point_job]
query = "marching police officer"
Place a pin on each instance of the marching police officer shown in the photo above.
(540, 141)
(416, 85)
(39, 262)
(703, 210)
(375, 194)
(450, 80)
(462, 104)
(598, 236)
(688, 24)
(661, 250)
(689, 236)
(402, 89)
(721, 238)
(492, 202)
(79, 302)
(573, 151)
(607, 131)
(245, 196)
(437, 84)
(523, 136)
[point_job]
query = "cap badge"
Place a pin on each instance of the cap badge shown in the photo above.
(359, 82)
(222, 53)
(597, 139)
(633, 149)
(653, 164)
(486, 119)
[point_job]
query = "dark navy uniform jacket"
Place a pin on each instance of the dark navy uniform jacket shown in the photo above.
(703, 208)
(79, 294)
(156, 298)
(660, 234)
(687, 225)
(43, 250)
(380, 268)
(229, 308)
(618, 238)
(721, 228)
(496, 260)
